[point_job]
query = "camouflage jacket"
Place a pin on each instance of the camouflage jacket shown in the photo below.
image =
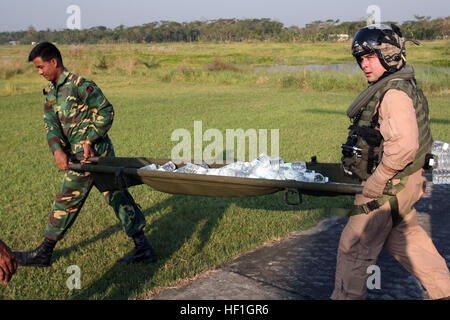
(75, 112)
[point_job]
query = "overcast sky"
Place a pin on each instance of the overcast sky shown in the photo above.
(43, 14)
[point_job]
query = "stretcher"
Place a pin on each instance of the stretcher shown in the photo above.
(117, 173)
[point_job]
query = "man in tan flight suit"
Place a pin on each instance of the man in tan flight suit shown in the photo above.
(394, 162)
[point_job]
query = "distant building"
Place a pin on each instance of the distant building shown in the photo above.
(14, 42)
(339, 37)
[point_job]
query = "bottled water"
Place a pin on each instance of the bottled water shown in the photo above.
(213, 172)
(309, 175)
(286, 172)
(168, 167)
(263, 159)
(298, 165)
(439, 147)
(444, 161)
(152, 166)
(263, 167)
(192, 168)
(320, 178)
(441, 176)
(204, 165)
(276, 162)
(441, 172)
(264, 172)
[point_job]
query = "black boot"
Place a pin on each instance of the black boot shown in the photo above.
(39, 257)
(143, 251)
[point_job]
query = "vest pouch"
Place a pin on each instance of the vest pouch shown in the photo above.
(372, 136)
(363, 163)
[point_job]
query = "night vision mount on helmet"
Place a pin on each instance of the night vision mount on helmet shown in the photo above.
(385, 41)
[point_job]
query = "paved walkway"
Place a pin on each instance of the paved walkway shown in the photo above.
(302, 266)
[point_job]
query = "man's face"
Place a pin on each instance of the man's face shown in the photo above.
(47, 69)
(372, 67)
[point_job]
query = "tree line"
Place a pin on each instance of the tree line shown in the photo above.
(224, 30)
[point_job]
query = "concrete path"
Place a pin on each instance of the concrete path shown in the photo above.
(302, 266)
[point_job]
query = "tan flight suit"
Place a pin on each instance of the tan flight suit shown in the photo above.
(366, 234)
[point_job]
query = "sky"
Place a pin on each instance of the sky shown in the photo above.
(20, 14)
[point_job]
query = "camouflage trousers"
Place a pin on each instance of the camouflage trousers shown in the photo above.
(73, 193)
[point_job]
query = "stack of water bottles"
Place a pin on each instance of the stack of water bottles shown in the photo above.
(441, 172)
(263, 167)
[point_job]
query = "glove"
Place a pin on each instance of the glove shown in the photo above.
(374, 186)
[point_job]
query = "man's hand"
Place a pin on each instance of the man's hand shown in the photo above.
(61, 159)
(374, 186)
(8, 264)
(88, 152)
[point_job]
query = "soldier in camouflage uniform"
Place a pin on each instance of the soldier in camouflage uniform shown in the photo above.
(77, 117)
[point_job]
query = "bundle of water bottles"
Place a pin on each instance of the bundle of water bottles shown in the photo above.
(441, 171)
(263, 167)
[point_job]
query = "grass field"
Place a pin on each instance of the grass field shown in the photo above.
(156, 89)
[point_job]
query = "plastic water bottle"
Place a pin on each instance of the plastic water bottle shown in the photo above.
(441, 173)
(298, 165)
(444, 161)
(152, 166)
(204, 165)
(320, 178)
(192, 168)
(264, 172)
(263, 159)
(213, 172)
(441, 176)
(286, 172)
(439, 147)
(169, 167)
(437, 176)
(276, 162)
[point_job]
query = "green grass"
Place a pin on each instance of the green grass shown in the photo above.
(189, 234)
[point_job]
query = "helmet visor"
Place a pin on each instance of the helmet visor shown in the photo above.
(365, 40)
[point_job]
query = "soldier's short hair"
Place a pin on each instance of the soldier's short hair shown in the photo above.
(45, 50)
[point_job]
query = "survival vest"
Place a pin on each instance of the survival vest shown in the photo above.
(364, 147)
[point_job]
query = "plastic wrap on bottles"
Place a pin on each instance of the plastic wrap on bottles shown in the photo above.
(262, 159)
(236, 169)
(152, 166)
(263, 167)
(298, 165)
(441, 171)
(168, 167)
(264, 171)
(213, 172)
(192, 168)
(439, 147)
(204, 165)
(276, 162)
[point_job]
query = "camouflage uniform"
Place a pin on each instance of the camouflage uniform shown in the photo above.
(77, 112)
